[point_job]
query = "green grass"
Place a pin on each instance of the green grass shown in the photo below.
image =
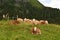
(23, 32)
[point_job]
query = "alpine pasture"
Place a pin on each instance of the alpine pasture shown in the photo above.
(22, 31)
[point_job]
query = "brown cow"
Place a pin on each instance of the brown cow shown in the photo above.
(14, 22)
(36, 30)
(43, 22)
(28, 21)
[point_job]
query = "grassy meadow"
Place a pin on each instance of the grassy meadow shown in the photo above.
(22, 31)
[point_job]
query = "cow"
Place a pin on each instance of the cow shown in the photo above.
(15, 22)
(20, 19)
(35, 30)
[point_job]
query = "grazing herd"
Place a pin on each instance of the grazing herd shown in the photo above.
(33, 21)
(34, 30)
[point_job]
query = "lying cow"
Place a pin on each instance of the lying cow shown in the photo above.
(14, 22)
(43, 22)
(36, 30)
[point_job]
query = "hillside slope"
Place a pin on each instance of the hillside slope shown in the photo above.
(37, 4)
(23, 32)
